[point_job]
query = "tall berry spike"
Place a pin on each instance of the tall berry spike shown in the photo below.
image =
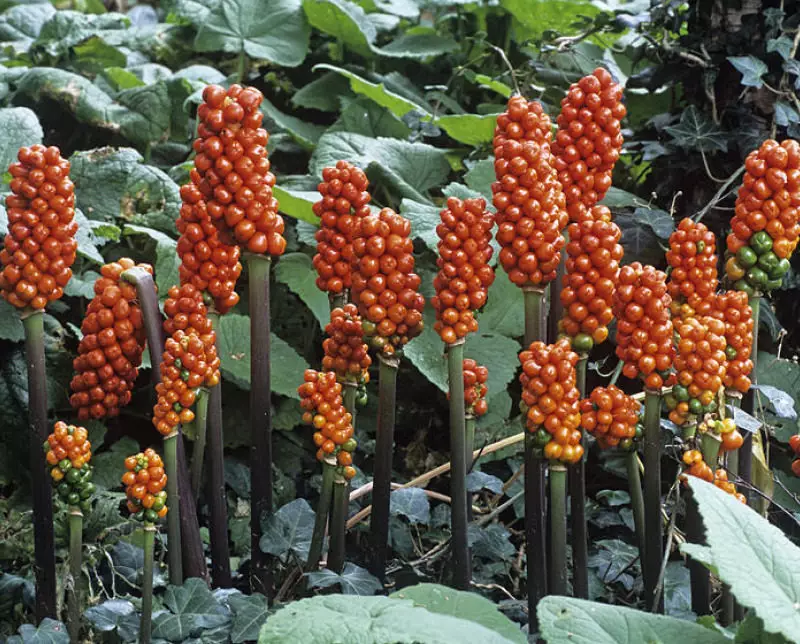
(692, 255)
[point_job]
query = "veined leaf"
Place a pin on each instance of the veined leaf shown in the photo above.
(20, 128)
(353, 580)
(751, 68)
(296, 271)
(695, 131)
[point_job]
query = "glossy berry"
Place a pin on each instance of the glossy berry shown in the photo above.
(110, 352)
(385, 286)
(40, 246)
(344, 199)
(346, 354)
(68, 452)
(588, 141)
(475, 389)
(462, 283)
(610, 415)
(144, 480)
(551, 399)
(733, 308)
(692, 258)
(696, 466)
(530, 203)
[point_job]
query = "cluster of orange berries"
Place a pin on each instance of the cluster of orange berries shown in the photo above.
(588, 141)
(794, 444)
(144, 482)
(475, 388)
(110, 351)
(611, 416)
(68, 452)
(527, 195)
(344, 200)
(323, 407)
(464, 276)
(765, 227)
(40, 246)
(346, 354)
(190, 358)
(733, 308)
(696, 466)
(641, 305)
(592, 270)
(550, 394)
(384, 284)
(692, 256)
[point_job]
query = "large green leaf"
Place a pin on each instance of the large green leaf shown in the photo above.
(418, 42)
(424, 218)
(48, 632)
(751, 68)
(447, 601)
(763, 569)
(363, 116)
(115, 614)
(696, 131)
(273, 30)
(333, 619)
(20, 25)
(504, 311)
(564, 620)
(10, 325)
(322, 93)
(536, 16)
(20, 127)
(295, 270)
(353, 580)
(192, 609)
(250, 613)
(472, 129)
(343, 20)
(306, 134)
(288, 530)
(297, 204)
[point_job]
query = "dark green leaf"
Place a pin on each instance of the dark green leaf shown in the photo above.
(677, 591)
(491, 542)
(289, 530)
(751, 68)
(115, 614)
(10, 325)
(323, 94)
(477, 481)
(192, 609)
(353, 580)
(364, 116)
(412, 503)
(695, 131)
(306, 134)
(793, 67)
(613, 498)
(106, 464)
(20, 128)
(614, 561)
(480, 177)
(295, 270)
(94, 54)
(49, 632)
(781, 402)
(249, 614)
(785, 114)
(782, 45)
(504, 310)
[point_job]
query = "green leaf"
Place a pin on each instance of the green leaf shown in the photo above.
(792, 67)
(763, 570)
(272, 30)
(412, 503)
(115, 615)
(332, 619)
(495, 85)
(465, 605)
(344, 21)
(233, 338)
(536, 16)
(678, 591)
(306, 134)
(95, 54)
(322, 93)
(363, 116)
(504, 311)
(10, 325)
(782, 45)
(564, 620)
(779, 373)
(250, 613)
(106, 464)
(751, 68)
(353, 580)
(87, 241)
(297, 204)
(611, 561)
(167, 260)
(49, 632)
(20, 128)
(23, 23)
(424, 218)
(192, 609)
(402, 8)
(491, 542)
(288, 530)
(785, 114)
(643, 233)
(696, 131)
(295, 270)
(418, 42)
(480, 177)
(471, 129)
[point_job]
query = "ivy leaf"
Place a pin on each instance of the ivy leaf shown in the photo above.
(793, 67)
(288, 530)
(273, 30)
(48, 632)
(695, 131)
(612, 559)
(785, 114)
(751, 68)
(20, 128)
(249, 614)
(782, 45)
(353, 580)
(678, 591)
(296, 271)
(643, 231)
(115, 615)
(193, 609)
(477, 481)
(167, 260)
(491, 542)
(412, 503)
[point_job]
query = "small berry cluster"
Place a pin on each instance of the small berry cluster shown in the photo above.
(588, 141)
(190, 358)
(344, 199)
(592, 270)
(68, 452)
(794, 444)
(40, 246)
(323, 407)
(765, 227)
(550, 394)
(346, 354)
(475, 377)
(385, 287)
(611, 416)
(733, 308)
(529, 200)
(692, 257)
(110, 352)
(644, 326)
(696, 466)
(144, 482)
(462, 283)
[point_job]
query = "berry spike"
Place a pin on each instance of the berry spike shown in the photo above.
(475, 389)
(346, 354)
(68, 450)
(610, 415)
(692, 280)
(733, 308)
(144, 480)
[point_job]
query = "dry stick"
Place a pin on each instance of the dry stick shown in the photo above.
(75, 553)
(535, 486)
(654, 529)
(199, 450)
(260, 420)
(147, 584)
(748, 405)
(577, 495)
(462, 567)
(44, 545)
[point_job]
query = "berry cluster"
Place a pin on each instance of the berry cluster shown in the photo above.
(696, 466)
(323, 407)
(593, 257)
(611, 416)
(345, 351)
(68, 452)
(644, 327)
(144, 481)
(588, 141)
(765, 227)
(794, 444)
(40, 246)
(464, 276)
(692, 257)
(385, 287)
(527, 195)
(701, 363)
(475, 377)
(344, 199)
(110, 351)
(190, 358)
(734, 309)
(550, 394)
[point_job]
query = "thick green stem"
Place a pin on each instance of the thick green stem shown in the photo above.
(260, 420)
(241, 67)
(462, 566)
(469, 448)
(73, 587)
(748, 405)
(577, 495)
(44, 545)
(556, 308)
(535, 533)
(382, 476)
(534, 323)
(637, 500)
(174, 514)
(617, 373)
(654, 529)
(339, 507)
(199, 449)
(337, 300)
(323, 510)
(699, 578)
(558, 529)
(147, 583)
